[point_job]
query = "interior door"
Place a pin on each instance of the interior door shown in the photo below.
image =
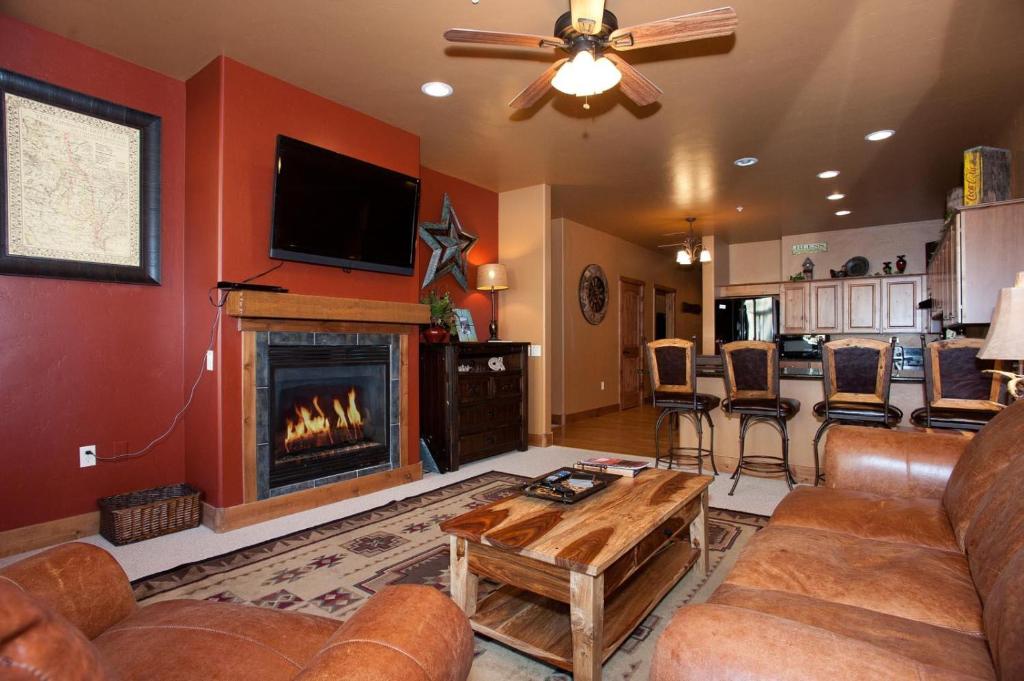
(631, 341)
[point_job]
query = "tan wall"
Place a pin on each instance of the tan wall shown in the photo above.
(524, 241)
(877, 243)
(591, 353)
(713, 274)
(755, 262)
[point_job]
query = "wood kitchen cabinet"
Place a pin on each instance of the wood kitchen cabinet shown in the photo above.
(862, 305)
(796, 303)
(827, 306)
(900, 296)
(980, 252)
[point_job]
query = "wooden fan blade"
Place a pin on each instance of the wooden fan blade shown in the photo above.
(713, 23)
(587, 15)
(634, 84)
(469, 35)
(537, 89)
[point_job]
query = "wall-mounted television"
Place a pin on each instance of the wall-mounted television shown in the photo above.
(331, 209)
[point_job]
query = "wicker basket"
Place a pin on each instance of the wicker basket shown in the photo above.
(148, 513)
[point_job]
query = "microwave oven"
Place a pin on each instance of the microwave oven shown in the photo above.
(807, 346)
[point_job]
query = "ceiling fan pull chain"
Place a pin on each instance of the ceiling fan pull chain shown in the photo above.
(586, 103)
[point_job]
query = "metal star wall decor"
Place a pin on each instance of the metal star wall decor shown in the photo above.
(449, 246)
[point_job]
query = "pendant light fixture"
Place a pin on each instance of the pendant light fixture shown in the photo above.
(692, 250)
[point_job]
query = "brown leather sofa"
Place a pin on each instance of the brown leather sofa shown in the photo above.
(68, 614)
(909, 564)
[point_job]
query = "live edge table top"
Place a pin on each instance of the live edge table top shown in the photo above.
(587, 536)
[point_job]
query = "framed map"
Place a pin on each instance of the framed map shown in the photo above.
(80, 186)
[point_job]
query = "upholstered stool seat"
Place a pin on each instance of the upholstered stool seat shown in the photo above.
(673, 366)
(952, 419)
(856, 377)
(853, 411)
(751, 373)
(705, 401)
(765, 406)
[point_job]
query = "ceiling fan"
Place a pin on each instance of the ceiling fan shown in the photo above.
(590, 34)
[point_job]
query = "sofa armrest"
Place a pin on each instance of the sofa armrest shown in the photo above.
(80, 581)
(413, 633)
(892, 463)
(722, 643)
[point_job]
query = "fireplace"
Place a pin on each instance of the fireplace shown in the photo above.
(327, 409)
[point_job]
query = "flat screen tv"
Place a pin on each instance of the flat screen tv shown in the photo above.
(331, 209)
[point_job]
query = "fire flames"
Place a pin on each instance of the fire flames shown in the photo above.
(311, 427)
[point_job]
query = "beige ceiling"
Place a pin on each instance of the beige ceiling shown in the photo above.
(798, 86)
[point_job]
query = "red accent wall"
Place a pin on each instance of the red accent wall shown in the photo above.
(88, 363)
(95, 363)
(477, 209)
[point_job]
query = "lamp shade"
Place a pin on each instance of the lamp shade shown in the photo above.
(1005, 339)
(491, 277)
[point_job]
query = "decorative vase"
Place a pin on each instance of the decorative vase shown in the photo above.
(887, 267)
(435, 333)
(901, 263)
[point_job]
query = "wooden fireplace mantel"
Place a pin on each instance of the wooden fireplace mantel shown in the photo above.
(264, 305)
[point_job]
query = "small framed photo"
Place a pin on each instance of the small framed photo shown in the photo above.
(464, 325)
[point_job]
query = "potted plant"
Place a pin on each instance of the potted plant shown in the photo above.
(442, 317)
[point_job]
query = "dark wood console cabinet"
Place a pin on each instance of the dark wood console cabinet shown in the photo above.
(468, 410)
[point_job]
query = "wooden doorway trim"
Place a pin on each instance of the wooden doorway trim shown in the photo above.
(670, 312)
(631, 342)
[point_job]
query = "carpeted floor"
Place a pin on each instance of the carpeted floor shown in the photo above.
(331, 570)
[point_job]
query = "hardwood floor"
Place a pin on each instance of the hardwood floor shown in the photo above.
(623, 432)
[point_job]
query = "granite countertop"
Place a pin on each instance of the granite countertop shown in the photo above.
(710, 366)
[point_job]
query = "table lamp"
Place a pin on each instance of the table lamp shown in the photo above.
(492, 277)
(1005, 339)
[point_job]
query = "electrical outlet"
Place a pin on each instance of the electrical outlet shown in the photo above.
(87, 456)
(602, 385)
(209, 360)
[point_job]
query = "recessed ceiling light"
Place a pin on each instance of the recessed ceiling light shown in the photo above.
(745, 162)
(842, 213)
(879, 135)
(739, 209)
(828, 174)
(436, 88)
(835, 196)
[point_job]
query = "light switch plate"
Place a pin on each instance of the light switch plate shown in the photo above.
(534, 351)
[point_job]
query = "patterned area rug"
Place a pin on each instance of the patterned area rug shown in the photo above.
(331, 570)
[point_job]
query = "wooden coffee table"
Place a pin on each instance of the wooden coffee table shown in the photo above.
(578, 579)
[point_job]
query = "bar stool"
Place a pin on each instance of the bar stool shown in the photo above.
(751, 372)
(674, 390)
(856, 376)
(957, 395)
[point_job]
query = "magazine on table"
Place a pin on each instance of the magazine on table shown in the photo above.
(609, 464)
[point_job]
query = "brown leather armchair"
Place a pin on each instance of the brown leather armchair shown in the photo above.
(909, 564)
(68, 614)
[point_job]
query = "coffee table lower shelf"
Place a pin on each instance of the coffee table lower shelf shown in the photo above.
(540, 626)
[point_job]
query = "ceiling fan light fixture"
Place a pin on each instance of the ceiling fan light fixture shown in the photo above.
(705, 255)
(585, 76)
(683, 257)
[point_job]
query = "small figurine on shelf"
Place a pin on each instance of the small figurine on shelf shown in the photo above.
(887, 267)
(808, 270)
(901, 263)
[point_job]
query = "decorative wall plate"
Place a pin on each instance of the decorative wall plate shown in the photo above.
(594, 294)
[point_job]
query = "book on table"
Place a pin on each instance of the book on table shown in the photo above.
(609, 464)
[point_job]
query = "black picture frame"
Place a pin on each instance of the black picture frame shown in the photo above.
(148, 269)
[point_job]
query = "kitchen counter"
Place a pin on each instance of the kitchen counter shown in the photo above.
(710, 366)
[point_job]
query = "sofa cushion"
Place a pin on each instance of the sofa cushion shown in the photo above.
(991, 450)
(997, 531)
(922, 522)
(1004, 619)
(178, 640)
(924, 643)
(914, 582)
(38, 643)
